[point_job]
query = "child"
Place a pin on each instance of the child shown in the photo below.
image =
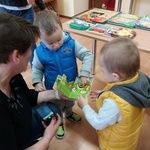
(109, 4)
(119, 118)
(56, 55)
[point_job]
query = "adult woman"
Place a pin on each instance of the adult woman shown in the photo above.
(16, 100)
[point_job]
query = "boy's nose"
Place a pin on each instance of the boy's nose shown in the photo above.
(56, 45)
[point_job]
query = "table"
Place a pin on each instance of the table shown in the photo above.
(142, 39)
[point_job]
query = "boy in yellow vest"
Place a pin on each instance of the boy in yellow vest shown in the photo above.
(119, 118)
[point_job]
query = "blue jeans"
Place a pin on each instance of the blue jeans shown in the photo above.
(27, 15)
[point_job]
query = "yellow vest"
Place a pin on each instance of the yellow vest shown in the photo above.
(123, 135)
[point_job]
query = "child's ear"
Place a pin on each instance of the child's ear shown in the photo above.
(116, 76)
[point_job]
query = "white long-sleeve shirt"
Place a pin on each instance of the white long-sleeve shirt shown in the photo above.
(107, 115)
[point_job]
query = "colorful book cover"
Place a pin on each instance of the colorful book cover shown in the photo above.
(124, 20)
(72, 89)
(100, 29)
(144, 23)
(96, 15)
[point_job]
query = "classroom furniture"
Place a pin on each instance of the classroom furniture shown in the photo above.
(95, 3)
(142, 39)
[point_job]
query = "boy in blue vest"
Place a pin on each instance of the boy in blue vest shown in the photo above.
(120, 113)
(56, 55)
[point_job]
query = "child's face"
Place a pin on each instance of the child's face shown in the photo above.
(108, 76)
(53, 41)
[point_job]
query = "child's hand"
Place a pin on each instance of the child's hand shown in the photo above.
(104, 6)
(40, 87)
(94, 94)
(84, 80)
(82, 101)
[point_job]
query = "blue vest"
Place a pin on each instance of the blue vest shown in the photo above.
(58, 62)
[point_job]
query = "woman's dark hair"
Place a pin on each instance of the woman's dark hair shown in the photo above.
(15, 34)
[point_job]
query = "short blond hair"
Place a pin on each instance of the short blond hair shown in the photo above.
(121, 56)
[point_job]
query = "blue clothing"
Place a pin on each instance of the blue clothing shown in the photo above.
(51, 63)
(22, 3)
(26, 14)
(58, 62)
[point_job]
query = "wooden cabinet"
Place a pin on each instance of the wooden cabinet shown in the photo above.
(95, 3)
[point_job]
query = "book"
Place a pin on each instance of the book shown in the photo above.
(124, 20)
(100, 29)
(143, 23)
(96, 15)
(72, 89)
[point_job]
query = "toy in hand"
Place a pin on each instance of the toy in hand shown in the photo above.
(72, 89)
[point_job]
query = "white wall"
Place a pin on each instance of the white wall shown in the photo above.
(140, 7)
(72, 7)
(124, 6)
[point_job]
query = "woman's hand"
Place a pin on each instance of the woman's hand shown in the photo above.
(51, 129)
(49, 133)
(63, 97)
